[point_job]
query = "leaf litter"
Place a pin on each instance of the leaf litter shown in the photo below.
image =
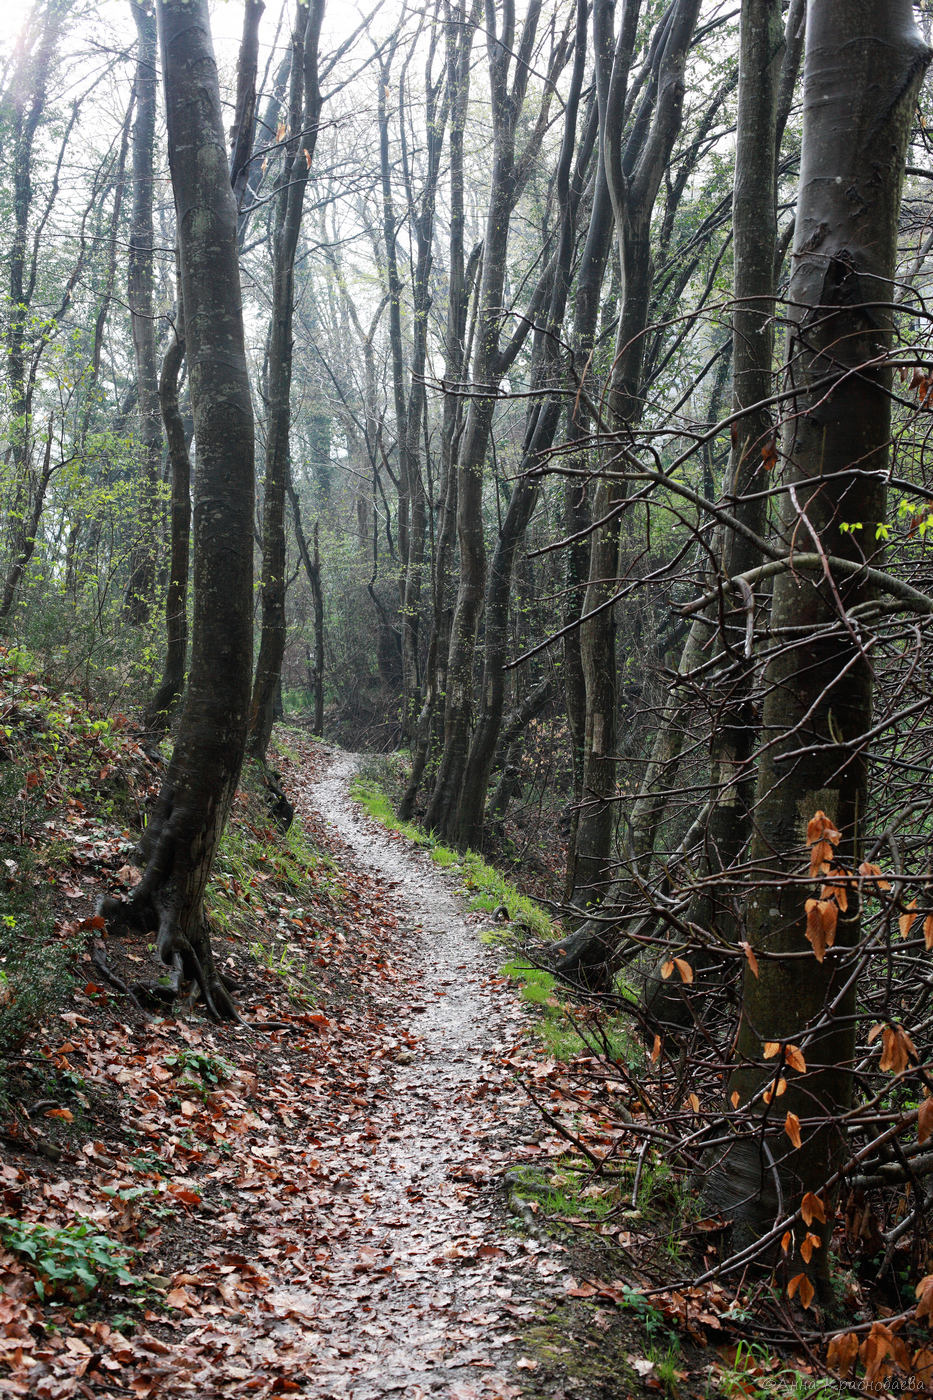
(326, 1217)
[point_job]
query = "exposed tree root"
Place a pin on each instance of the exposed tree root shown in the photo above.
(142, 914)
(583, 959)
(281, 808)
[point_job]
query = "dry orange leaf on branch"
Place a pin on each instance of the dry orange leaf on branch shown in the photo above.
(809, 1243)
(842, 1352)
(793, 1055)
(812, 1208)
(897, 1048)
(874, 874)
(822, 917)
(924, 1292)
(802, 1286)
(925, 1120)
(822, 835)
(682, 966)
(906, 921)
(877, 1347)
(836, 889)
(792, 1129)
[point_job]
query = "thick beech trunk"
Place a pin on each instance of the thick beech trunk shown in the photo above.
(766, 69)
(192, 808)
(864, 63)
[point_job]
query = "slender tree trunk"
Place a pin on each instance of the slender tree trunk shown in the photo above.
(633, 172)
(313, 570)
(24, 104)
(864, 63)
(201, 781)
(541, 426)
(244, 118)
(460, 26)
(409, 400)
(511, 743)
(304, 111)
(763, 73)
(577, 503)
(141, 583)
(506, 103)
(24, 543)
(169, 693)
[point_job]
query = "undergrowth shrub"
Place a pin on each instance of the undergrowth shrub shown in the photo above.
(35, 966)
(68, 1261)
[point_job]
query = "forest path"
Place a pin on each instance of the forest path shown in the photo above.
(427, 1290)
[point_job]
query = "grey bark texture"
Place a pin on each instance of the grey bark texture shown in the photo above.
(864, 63)
(201, 780)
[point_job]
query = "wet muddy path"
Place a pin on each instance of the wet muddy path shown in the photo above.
(427, 1290)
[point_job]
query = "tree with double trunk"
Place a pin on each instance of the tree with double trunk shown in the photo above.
(865, 60)
(201, 779)
(546, 373)
(635, 156)
(510, 48)
(300, 138)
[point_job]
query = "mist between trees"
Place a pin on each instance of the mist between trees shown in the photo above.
(581, 356)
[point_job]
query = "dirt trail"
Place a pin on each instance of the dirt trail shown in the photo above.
(425, 1298)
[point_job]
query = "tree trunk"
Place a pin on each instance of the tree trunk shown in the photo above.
(577, 503)
(137, 600)
(633, 171)
(763, 74)
(460, 26)
(23, 108)
(24, 542)
(313, 571)
(864, 63)
(244, 118)
(192, 808)
(304, 111)
(506, 103)
(541, 424)
(166, 698)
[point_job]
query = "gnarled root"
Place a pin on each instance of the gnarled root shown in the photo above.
(584, 959)
(190, 958)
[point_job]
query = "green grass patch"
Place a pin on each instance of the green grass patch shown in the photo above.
(271, 890)
(487, 886)
(566, 1191)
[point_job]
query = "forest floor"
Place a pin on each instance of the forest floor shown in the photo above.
(315, 1202)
